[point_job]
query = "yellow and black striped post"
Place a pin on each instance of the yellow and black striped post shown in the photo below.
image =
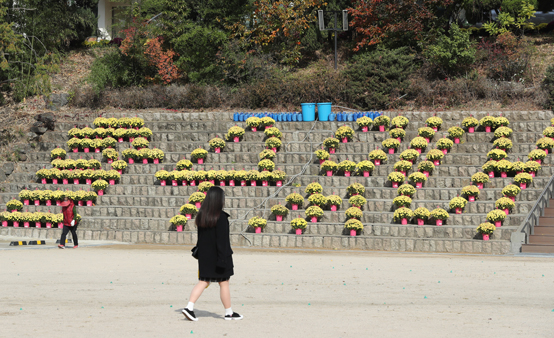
(17, 243)
(41, 242)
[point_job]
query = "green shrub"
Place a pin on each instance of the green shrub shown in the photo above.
(451, 53)
(548, 85)
(116, 70)
(376, 77)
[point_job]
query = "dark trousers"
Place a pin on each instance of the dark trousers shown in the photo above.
(67, 229)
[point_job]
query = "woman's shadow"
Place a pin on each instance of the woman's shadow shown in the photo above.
(201, 313)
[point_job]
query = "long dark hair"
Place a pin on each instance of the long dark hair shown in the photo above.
(211, 208)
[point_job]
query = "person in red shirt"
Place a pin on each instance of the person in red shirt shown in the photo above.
(69, 213)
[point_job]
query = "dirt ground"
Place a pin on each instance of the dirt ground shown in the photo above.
(139, 291)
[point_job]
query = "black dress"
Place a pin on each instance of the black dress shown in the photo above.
(215, 260)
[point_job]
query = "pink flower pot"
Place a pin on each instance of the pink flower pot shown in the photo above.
(54, 181)
(205, 193)
(254, 129)
(96, 150)
(491, 174)
(321, 161)
(279, 183)
(435, 128)
(184, 183)
(329, 173)
(25, 224)
(217, 150)
(258, 230)
(86, 150)
(426, 173)
(43, 181)
(391, 150)
(456, 140)
(532, 173)
(546, 151)
(507, 211)
(163, 182)
(4, 223)
(120, 139)
(471, 198)
(299, 231)
(174, 183)
(264, 183)
(344, 140)
(333, 208)
(377, 162)
(295, 207)
(120, 171)
(75, 150)
(471, 130)
(279, 218)
(403, 172)
(267, 127)
(353, 232)
(75, 181)
(313, 219)
(14, 210)
(236, 139)
(231, 183)
(60, 225)
(486, 236)
(420, 221)
(200, 161)
(192, 183)
(131, 161)
(331, 150)
(395, 184)
(381, 128)
(48, 225)
(112, 182)
(48, 203)
(80, 203)
(253, 183)
(366, 173)
(188, 216)
(427, 139)
(439, 222)
(480, 185)
(458, 210)
(419, 185)
(418, 150)
(156, 161)
(503, 174)
(347, 173)
(25, 202)
(198, 205)
(100, 192)
(365, 129)
(221, 183)
(89, 203)
(404, 221)
(445, 151)
(399, 139)
(144, 161)
(538, 161)
(513, 198)
(16, 224)
(488, 129)
(58, 203)
(110, 161)
(131, 139)
(274, 150)
(436, 162)
(243, 183)
(179, 228)
(498, 224)
(88, 181)
(523, 185)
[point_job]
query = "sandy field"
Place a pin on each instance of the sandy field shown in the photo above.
(139, 291)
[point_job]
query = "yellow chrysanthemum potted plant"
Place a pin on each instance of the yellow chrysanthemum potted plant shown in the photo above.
(439, 215)
(354, 226)
(486, 229)
(496, 216)
(458, 204)
(421, 214)
(257, 223)
(298, 224)
(279, 211)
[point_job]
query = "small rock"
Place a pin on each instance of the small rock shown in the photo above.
(8, 168)
(48, 119)
(22, 157)
(3, 176)
(32, 136)
(39, 128)
(55, 101)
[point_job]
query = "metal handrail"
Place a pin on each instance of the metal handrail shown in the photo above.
(526, 228)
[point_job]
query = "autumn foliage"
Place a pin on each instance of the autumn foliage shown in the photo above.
(375, 20)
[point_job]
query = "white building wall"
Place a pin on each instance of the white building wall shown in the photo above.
(105, 8)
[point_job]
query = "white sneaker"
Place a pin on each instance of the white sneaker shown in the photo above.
(234, 316)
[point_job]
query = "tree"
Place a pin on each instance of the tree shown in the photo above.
(399, 22)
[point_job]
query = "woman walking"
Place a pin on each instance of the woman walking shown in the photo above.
(215, 260)
(69, 213)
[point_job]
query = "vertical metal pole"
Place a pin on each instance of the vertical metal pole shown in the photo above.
(335, 32)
